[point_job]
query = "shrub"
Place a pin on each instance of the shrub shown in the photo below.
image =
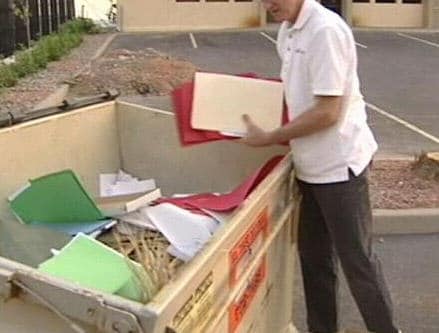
(71, 40)
(8, 77)
(53, 46)
(79, 26)
(48, 48)
(24, 64)
(40, 56)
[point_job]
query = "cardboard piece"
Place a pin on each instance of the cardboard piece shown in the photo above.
(123, 204)
(220, 100)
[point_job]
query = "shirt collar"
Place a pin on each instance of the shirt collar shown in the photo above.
(304, 14)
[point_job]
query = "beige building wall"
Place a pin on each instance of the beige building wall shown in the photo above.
(141, 15)
(388, 15)
(162, 15)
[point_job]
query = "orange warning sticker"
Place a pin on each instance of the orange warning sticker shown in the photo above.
(239, 308)
(246, 248)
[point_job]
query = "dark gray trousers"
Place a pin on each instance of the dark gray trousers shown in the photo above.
(336, 225)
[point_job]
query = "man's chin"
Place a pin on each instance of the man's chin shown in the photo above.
(277, 19)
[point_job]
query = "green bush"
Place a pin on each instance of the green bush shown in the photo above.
(71, 40)
(80, 25)
(8, 77)
(48, 48)
(24, 64)
(53, 46)
(40, 56)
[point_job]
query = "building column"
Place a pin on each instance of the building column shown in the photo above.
(431, 14)
(346, 9)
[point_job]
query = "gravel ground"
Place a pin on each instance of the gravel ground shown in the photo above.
(32, 89)
(397, 185)
(133, 72)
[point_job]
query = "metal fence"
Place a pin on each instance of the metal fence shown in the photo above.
(45, 17)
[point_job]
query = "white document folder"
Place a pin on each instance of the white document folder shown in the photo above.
(220, 100)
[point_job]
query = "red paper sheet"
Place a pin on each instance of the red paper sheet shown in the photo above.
(228, 201)
(182, 100)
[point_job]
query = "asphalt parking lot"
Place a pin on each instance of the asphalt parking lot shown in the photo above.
(399, 73)
(411, 269)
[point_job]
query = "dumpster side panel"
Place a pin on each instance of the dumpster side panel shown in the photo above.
(267, 306)
(85, 141)
(201, 168)
(18, 316)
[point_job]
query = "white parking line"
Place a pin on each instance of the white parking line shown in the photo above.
(194, 42)
(403, 122)
(418, 39)
(361, 45)
(271, 39)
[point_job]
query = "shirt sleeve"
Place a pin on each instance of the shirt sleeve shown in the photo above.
(329, 62)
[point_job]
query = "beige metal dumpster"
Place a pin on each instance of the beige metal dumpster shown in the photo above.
(242, 281)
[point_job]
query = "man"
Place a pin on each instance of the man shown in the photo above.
(332, 147)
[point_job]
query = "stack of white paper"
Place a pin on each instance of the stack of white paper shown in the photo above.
(187, 232)
(122, 183)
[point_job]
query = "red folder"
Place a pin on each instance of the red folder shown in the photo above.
(228, 201)
(182, 100)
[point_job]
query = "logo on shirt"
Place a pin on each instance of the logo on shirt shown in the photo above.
(299, 50)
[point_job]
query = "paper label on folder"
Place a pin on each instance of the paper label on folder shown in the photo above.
(220, 101)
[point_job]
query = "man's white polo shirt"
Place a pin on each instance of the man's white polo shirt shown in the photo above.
(319, 58)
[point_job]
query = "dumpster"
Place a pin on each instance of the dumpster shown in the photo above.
(241, 281)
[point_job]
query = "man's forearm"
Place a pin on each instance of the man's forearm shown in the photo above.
(321, 116)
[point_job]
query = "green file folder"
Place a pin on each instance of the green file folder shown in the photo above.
(55, 198)
(91, 264)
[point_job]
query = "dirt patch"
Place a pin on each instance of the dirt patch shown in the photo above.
(398, 185)
(133, 72)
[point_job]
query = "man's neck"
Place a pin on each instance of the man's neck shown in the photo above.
(296, 11)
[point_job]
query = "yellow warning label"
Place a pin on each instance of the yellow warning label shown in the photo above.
(195, 313)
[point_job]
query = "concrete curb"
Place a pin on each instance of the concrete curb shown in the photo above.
(406, 221)
(97, 54)
(55, 98)
(104, 46)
